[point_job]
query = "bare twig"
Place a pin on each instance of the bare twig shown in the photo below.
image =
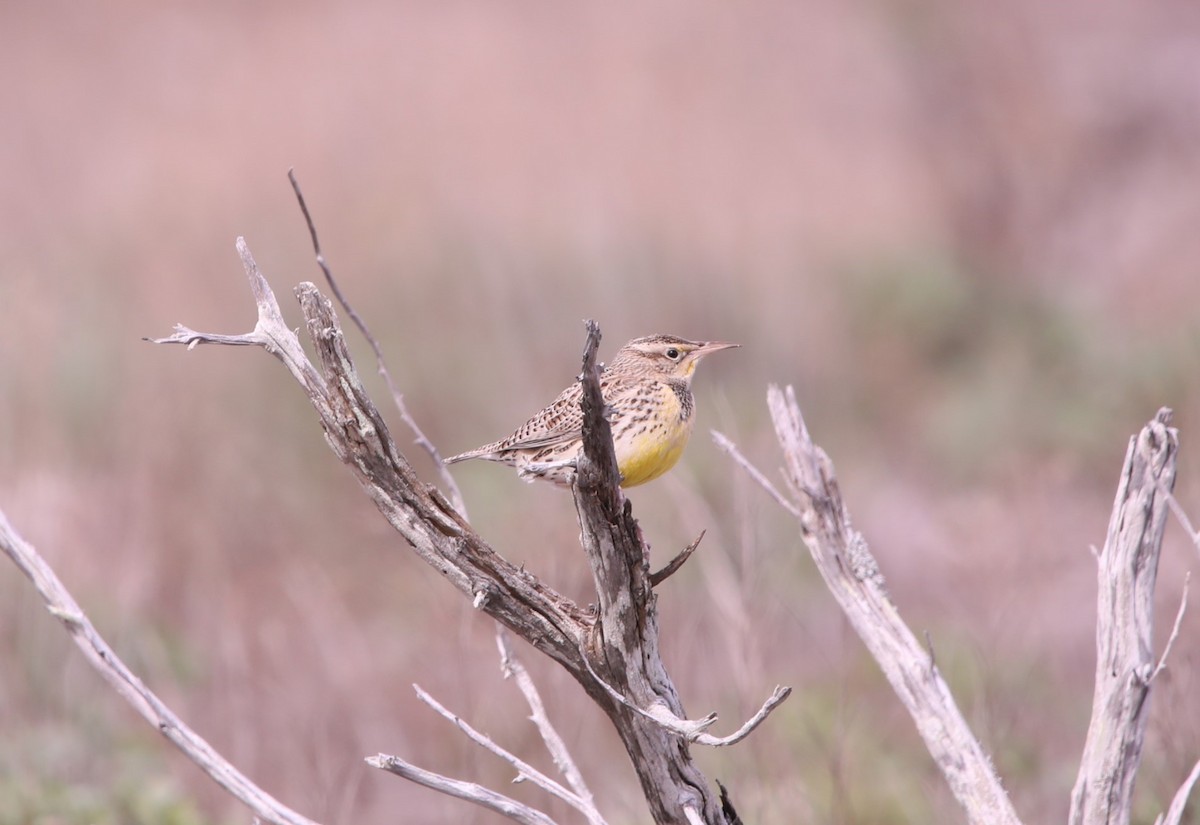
(674, 564)
(693, 730)
(658, 712)
(1181, 515)
(484, 797)
(63, 606)
(852, 575)
(397, 397)
(1174, 814)
(1162, 660)
(524, 769)
(1128, 566)
(776, 698)
(511, 666)
(729, 447)
(270, 331)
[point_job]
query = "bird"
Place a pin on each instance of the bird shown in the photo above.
(647, 391)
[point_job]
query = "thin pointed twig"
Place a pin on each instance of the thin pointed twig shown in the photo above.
(524, 769)
(778, 695)
(728, 446)
(1180, 514)
(62, 605)
(693, 730)
(484, 797)
(512, 667)
(1162, 660)
(397, 397)
(674, 564)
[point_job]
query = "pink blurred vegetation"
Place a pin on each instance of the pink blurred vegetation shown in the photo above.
(967, 233)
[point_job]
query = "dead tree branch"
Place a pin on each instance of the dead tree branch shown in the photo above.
(469, 791)
(1125, 660)
(63, 606)
(358, 436)
(629, 679)
(614, 655)
(852, 575)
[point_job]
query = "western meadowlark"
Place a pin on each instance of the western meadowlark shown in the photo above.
(648, 390)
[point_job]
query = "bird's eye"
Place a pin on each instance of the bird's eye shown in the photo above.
(673, 353)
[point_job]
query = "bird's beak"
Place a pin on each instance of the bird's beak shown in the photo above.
(712, 346)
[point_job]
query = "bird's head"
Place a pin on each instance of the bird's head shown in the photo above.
(666, 355)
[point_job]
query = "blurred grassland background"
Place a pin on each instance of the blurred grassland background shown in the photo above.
(967, 232)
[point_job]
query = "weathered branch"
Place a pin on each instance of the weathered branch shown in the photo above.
(693, 730)
(619, 647)
(357, 434)
(853, 577)
(629, 679)
(469, 791)
(1125, 660)
(63, 606)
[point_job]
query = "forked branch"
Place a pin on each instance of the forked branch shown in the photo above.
(357, 434)
(614, 655)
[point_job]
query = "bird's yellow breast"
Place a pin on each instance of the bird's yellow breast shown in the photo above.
(644, 452)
